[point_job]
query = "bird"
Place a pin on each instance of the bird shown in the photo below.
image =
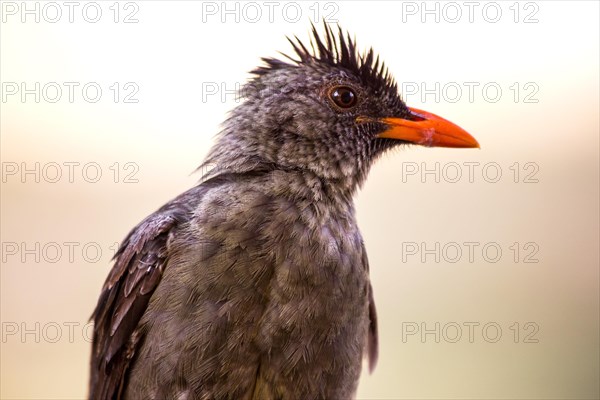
(254, 284)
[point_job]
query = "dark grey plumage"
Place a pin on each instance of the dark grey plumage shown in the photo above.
(254, 284)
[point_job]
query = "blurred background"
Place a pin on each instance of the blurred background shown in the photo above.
(485, 263)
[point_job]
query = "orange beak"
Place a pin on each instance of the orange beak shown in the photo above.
(427, 129)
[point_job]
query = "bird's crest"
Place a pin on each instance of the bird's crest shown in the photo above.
(338, 51)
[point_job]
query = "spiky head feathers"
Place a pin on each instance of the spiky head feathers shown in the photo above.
(338, 51)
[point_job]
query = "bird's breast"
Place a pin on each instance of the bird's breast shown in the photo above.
(258, 282)
(317, 310)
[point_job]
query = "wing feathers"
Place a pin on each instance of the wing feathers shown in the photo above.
(138, 268)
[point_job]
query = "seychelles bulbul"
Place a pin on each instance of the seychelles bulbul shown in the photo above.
(254, 284)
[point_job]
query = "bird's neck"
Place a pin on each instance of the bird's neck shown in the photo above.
(322, 170)
(284, 180)
(306, 185)
(295, 184)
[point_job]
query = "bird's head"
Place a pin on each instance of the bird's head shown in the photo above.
(329, 111)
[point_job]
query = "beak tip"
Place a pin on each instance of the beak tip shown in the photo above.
(475, 145)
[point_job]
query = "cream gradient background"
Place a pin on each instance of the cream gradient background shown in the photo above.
(171, 52)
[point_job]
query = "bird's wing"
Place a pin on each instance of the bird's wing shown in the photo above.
(372, 341)
(138, 268)
(373, 345)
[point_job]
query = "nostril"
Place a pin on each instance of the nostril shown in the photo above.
(413, 116)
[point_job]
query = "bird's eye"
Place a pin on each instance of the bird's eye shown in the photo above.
(343, 97)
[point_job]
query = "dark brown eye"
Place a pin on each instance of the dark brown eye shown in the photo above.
(343, 96)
